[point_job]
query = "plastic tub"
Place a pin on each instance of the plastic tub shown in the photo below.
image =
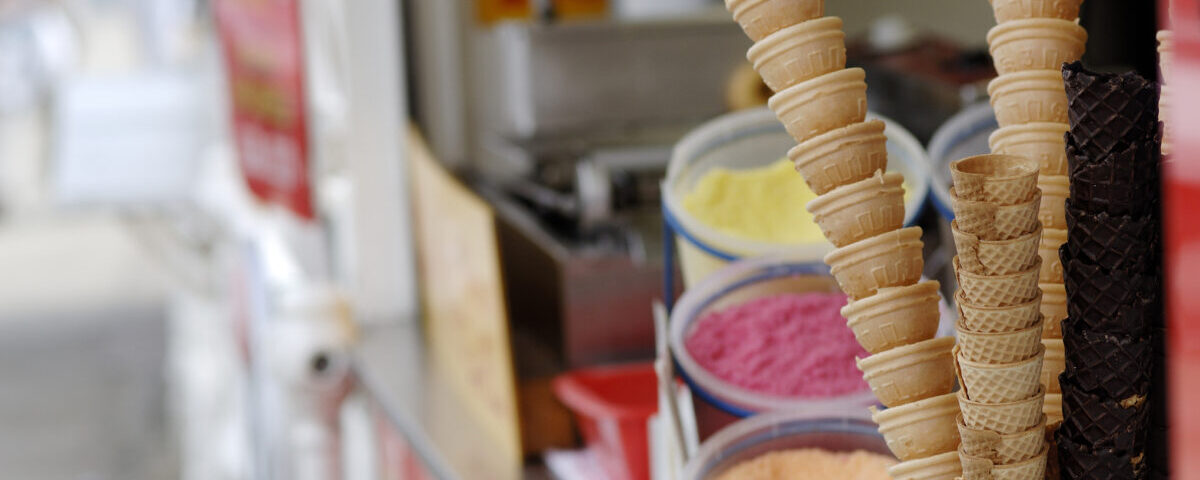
(719, 403)
(833, 430)
(751, 139)
(611, 406)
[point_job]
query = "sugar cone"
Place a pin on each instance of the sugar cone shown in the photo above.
(860, 210)
(895, 316)
(1053, 211)
(803, 51)
(996, 257)
(920, 429)
(1031, 469)
(1042, 142)
(1035, 44)
(999, 347)
(1004, 418)
(890, 259)
(1028, 96)
(760, 18)
(1053, 364)
(842, 156)
(998, 290)
(1002, 449)
(996, 319)
(816, 106)
(1052, 269)
(910, 373)
(1009, 10)
(1053, 308)
(943, 466)
(995, 178)
(999, 383)
(990, 221)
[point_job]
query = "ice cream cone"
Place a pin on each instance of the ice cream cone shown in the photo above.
(1004, 418)
(999, 347)
(1002, 449)
(1028, 96)
(998, 290)
(1053, 308)
(920, 429)
(1040, 141)
(760, 18)
(1115, 241)
(1077, 460)
(825, 103)
(1052, 269)
(974, 467)
(996, 257)
(1030, 469)
(943, 466)
(1009, 10)
(803, 51)
(860, 210)
(990, 221)
(1035, 44)
(995, 178)
(1053, 364)
(842, 156)
(910, 373)
(1114, 365)
(1108, 112)
(1000, 383)
(1055, 190)
(891, 259)
(996, 319)
(895, 316)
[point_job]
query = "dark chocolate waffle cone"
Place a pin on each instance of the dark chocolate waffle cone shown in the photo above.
(1131, 320)
(1080, 461)
(1109, 365)
(1116, 241)
(1099, 294)
(1105, 422)
(1107, 111)
(1136, 163)
(1157, 448)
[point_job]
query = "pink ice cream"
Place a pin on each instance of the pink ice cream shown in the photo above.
(790, 345)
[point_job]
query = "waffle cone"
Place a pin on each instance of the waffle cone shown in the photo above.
(1028, 96)
(974, 467)
(1000, 383)
(996, 319)
(1052, 270)
(842, 156)
(1053, 308)
(890, 259)
(801, 52)
(990, 221)
(1053, 364)
(1052, 211)
(996, 257)
(1035, 44)
(895, 316)
(1002, 449)
(995, 178)
(943, 466)
(1004, 418)
(1030, 469)
(860, 210)
(920, 429)
(1042, 142)
(760, 18)
(822, 104)
(1009, 10)
(1108, 111)
(998, 290)
(911, 372)
(999, 347)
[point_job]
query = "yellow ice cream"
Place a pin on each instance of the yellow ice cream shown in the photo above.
(811, 464)
(764, 204)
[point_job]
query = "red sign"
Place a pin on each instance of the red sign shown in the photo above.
(263, 49)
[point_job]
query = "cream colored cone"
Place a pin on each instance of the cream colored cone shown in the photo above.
(1000, 383)
(1043, 142)
(999, 347)
(995, 178)
(1053, 308)
(974, 467)
(860, 210)
(910, 373)
(990, 221)
(895, 316)
(1052, 269)
(1035, 44)
(760, 18)
(890, 259)
(801, 52)
(996, 257)
(1053, 364)
(999, 290)
(822, 104)
(1053, 210)
(1002, 449)
(996, 319)
(1029, 96)
(1052, 408)
(920, 429)
(1004, 418)
(1031, 469)
(841, 156)
(1009, 10)
(943, 466)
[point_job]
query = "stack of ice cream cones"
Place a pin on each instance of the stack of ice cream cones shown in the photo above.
(1113, 335)
(1000, 352)
(842, 156)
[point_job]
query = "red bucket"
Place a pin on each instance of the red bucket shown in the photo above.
(611, 405)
